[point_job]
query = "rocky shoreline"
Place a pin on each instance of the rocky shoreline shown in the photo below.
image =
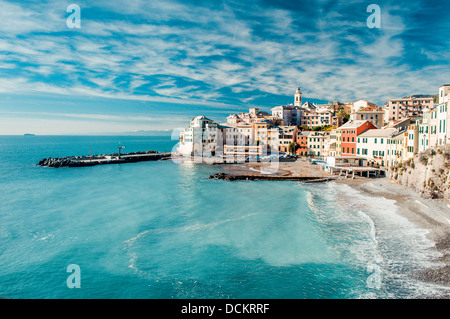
(305, 179)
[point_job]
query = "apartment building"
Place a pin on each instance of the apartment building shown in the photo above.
(286, 135)
(316, 143)
(372, 145)
(395, 149)
(410, 106)
(374, 116)
(302, 141)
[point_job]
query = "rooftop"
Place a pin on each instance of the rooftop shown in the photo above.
(378, 132)
(416, 96)
(352, 124)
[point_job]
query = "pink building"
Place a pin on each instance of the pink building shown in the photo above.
(410, 106)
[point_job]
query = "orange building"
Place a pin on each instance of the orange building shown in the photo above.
(349, 133)
(302, 141)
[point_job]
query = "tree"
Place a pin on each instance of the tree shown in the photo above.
(436, 98)
(293, 147)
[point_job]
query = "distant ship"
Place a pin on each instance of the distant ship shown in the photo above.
(28, 134)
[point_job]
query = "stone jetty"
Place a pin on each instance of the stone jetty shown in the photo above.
(84, 161)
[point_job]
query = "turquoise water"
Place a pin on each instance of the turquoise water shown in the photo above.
(164, 230)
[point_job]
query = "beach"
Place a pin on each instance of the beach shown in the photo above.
(432, 215)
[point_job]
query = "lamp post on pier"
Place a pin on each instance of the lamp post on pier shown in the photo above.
(120, 147)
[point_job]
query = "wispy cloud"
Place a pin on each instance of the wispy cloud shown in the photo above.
(223, 54)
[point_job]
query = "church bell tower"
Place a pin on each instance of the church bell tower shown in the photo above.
(298, 97)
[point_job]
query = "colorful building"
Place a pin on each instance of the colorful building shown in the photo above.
(372, 145)
(349, 133)
(316, 143)
(302, 141)
(410, 106)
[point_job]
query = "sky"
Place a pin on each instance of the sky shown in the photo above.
(153, 65)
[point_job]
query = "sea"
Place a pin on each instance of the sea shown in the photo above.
(164, 230)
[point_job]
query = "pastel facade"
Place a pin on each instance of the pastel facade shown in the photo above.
(444, 99)
(338, 142)
(316, 143)
(302, 141)
(286, 135)
(424, 131)
(412, 141)
(266, 134)
(442, 125)
(317, 117)
(372, 145)
(376, 117)
(395, 149)
(329, 147)
(410, 106)
(349, 133)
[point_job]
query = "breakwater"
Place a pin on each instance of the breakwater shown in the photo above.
(115, 158)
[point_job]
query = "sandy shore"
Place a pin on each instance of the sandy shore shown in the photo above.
(433, 215)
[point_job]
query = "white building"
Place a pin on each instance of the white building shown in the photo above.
(203, 137)
(424, 130)
(373, 144)
(329, 146)
(396, 149)
(444, 98)
(361, 104)
(443, 116)
(289, 114)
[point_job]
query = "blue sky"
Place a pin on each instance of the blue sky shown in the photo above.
(153, 65)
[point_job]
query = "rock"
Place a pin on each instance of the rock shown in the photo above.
(220, 176)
